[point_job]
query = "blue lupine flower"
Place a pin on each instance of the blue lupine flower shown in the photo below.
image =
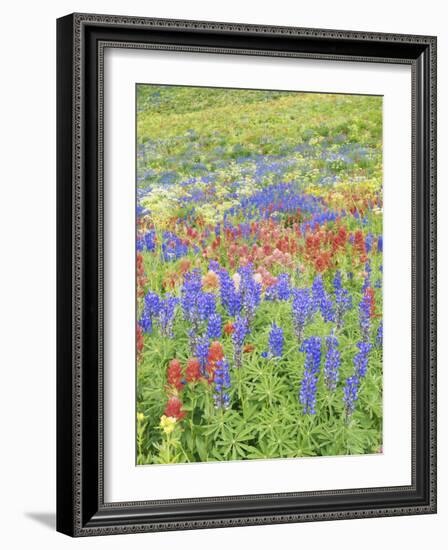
(270, 293)
(197, 306)
(369, 242)
(250, 292)
(327, 309)
(166, 315)
(361, 358)
(307, 395)
(149, 240)
(222, 384)
(214, 328)
(206, 304)
(279, 197)
(151, 309)
(152, 302)
(302, 309)
(172, 247)
(350, 394)
(366, 283)
(281, 290)
(191, 288)
(379, 336)
(321, 301)
(202, 349)
(276, 341)
(146, 322)
(230, 299)
(380, 244)
(364, 317)
(332, 363)
(343, 301)
(368, 267)
(241, 329)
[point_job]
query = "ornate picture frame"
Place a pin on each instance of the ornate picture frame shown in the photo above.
(81, 42)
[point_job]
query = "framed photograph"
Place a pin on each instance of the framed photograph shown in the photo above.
(246, 274)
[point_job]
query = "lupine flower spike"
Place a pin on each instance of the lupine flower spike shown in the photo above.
(276, 341)
(222, 384)
(332, 363)
(307, 395)
(301, 310)
(241, 327)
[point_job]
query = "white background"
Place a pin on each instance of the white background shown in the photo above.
(27, 290)
(124, 482)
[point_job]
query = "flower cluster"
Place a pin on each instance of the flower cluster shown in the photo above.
(332, 363)
(198, 306)
(222, 384)
(147, 241)
(362, 358)
(193, 370)
(302, 310)
(250, 291)
(379, 336)
(364, 316)
(230, 298)
(150, 311)
(351, 394)
(280, 290)
(276, 341)
(141, 276)
(139, 339)
(343, 301)
(175, 375)
(352, 383)
(174, 408)
(321, 300)
(166, 315)
(307, 395)
(241, 329)
(173, 247)
(160, 311)
(214, 327)
(202, 348)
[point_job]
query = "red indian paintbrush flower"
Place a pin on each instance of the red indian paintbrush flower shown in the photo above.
(184, 265)
(140, 266)
(215, 352)
(359, 243)
(141, 276)
(193, 370)
(139, 339)
(229, 328)
(174, 374)
(210, 280)
(174, 408)
(371, 297)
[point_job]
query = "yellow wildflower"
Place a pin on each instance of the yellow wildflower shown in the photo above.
(167, 423)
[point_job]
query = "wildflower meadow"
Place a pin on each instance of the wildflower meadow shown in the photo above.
(258, 274)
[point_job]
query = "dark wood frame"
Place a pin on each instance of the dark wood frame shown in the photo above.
(81, 39)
